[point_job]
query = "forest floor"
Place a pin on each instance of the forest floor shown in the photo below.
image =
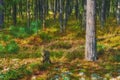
(24, 62)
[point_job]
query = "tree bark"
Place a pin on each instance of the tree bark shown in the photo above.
(14, 13)
(103, 12)
(61, 16)
(28, 13)
(90, 50)
(1, 14)
(118, 12)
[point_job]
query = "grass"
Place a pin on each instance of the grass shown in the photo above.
(66, 50)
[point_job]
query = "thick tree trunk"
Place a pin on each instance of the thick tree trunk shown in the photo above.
(90, 50)
(1, 14)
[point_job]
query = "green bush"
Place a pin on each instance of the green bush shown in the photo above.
(100, 49)
(2, 48)
(35, 26)
(45, 36)
(20, 32)
(115, 58)
(75, 54)
(15, 74)
(56, 54)
(12, 47)
(64, 45)
(5, 37)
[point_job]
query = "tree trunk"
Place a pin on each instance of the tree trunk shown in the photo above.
(1, 14)
(90, 50)
(103, 12)
(61, 16)
(14, 13)
(118, 12)
(28, 13)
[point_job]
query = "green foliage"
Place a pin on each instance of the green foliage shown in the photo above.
(18, 31)
(6, 37)
(12, 47)
(100, 49)
(115, 58)
(15, 74)
(75, 54)
(61, 44)
(22, 32)
(56, 54)
(45, 36)
(2, 48)
(35, 26)
(109, 67)
(44, 66)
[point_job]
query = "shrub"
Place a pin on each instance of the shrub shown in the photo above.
(35, 26)
(64, 45)
(100, 49)
(20, 32)
(56, 54)
(12, 47)
(15, 74)
(116, 57)
(45, 37)
(74, 54)
(5, 37)
(1, 48)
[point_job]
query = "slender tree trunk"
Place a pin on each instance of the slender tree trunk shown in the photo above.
(66, 14)
(55, 9)
(21, 9)
(1, 14)
(14, 13)
(28, 13)
(84, 14)
(43, 14)
(90, 50)
(103, 12)
(61, 16)
(118, 12)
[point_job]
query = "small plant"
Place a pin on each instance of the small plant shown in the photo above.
(12, 47)
(116, 58)
(74, 54)
(15, 74)
(35, 26)
(100, 49)
(2, 48)
(56, 54)
(5, 37)
(45, 36)
(64, 45)
(20, 32)
(44, 66)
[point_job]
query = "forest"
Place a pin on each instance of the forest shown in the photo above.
(59, 39)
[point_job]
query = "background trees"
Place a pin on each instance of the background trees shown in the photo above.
(1, 14)
(39, 9)
(35, 12)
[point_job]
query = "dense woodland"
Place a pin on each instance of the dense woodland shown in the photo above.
(59, 39)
